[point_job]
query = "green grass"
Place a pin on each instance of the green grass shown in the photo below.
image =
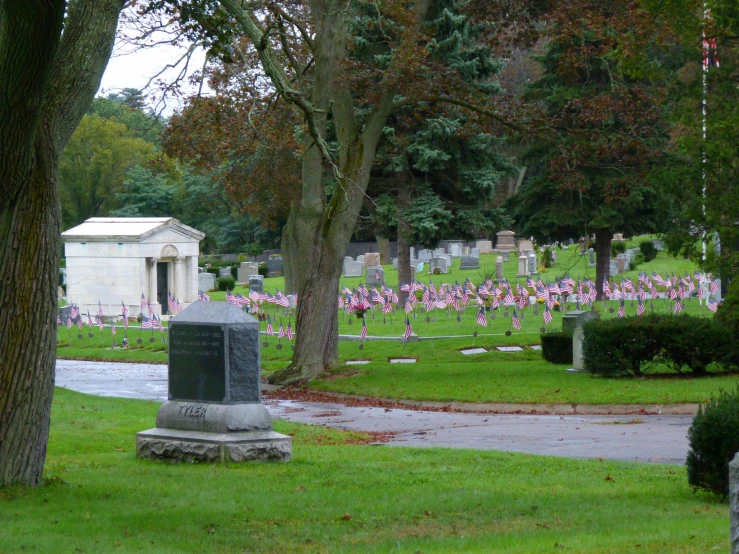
(338, 498)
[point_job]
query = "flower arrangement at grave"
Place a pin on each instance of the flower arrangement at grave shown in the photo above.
(359, 312)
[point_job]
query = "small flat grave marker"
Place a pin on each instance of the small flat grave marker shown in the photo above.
(357, 362)
(509, 348)
(536, 347)
(402, 360)
(470, 351)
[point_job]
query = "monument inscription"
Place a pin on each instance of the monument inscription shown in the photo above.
(197, 363)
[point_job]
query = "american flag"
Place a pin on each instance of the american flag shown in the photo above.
(202, 296)
(387, 307)
(146, 323)
(408, 329)
(714, 287)
(124, 310)
(100, 323)
(151, 311)
(89, 320)
(230, 298)
(112, 329)
(515, 321)
(289, 331)
(158, 323)
(170, 302)
(80, 324)
(74, 312)
(58, 320)
(281, 332)
(69, 323)
(270, 331)
(712, 304)
(363, 334)
(125, 322)
(547, 315)
(640, 307)
(143, 302)
(100, 310)
(482, 318)
(622, 309)
(678, 306)
(408, 307)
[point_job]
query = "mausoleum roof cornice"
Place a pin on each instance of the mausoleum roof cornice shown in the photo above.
(127, 229)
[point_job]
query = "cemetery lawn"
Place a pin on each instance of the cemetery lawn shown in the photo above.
(336, 496)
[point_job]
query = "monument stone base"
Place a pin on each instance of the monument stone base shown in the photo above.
(176, 445)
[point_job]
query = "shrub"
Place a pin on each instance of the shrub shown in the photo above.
(235, 271)
(714, 438)
(225, 283)
(617, 248)
(648, 250)
(629, 346)
(262, 269)
(728, 312)
(557, 347)
(546, 257)
(637, 260)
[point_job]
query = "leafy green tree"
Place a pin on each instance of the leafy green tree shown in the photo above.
(144, 194)
(142, 124)
(601, 131)
(94, 165)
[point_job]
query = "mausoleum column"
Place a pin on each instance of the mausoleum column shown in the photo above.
(152, 281)
(179, 279)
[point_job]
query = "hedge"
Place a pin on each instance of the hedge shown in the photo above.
(631, 346)
(714, 438)
(557, 347)
(648, 250)
(225, 283)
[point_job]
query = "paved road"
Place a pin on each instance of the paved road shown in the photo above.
(660, 439)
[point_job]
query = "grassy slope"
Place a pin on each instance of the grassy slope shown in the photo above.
(100, 498)
(445, 375)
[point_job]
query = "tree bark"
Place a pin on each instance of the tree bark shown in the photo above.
(51, 85)
(383, 248)
(404, 235)
(602, 258)
(289, 249)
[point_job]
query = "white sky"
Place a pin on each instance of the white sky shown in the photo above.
(133, 69)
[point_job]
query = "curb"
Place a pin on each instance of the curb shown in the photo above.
(520, 408)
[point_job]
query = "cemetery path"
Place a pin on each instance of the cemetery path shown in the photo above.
(658, 439)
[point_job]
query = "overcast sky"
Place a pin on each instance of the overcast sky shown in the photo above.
(133, 69)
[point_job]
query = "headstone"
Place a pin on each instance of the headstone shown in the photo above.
(201, 270)
(525, 245)
(578, 363)
(371, 259)
(612, 268)
(348, 259)
(455, 250)
(618, 237)
(465, 251)
(499, 268)
(395, 263)
(734, 503)
(256, 283)
(626, 264)
(620, 264)
(591, 252)
(353, 269)
(246, 270)
(206, 281)
(506, 256)
(505, 241)
(64, 313)
(577, 318)
(59, 293)
(413, 253)
(214, 412)
(360, 259)
(523, 266)
(484, 246)
(475, 252)
(449, 262)
(583, 246)
(532, 263)
(659, 245)
(631, 254)
(439, 252)
(63, 271)
(469, 262)
(424, 255)
(274, 266)
(438, 263)
(225, 272)
(375, 276)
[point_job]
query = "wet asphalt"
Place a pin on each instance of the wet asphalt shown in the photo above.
(655, 439)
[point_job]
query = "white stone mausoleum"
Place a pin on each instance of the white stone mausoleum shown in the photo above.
(114, 260)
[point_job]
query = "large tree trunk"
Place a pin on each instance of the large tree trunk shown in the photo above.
(48, 84)
(383, 247)
(289, 249)
(602, 258)
(404, 235)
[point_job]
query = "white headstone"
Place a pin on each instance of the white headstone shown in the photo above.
(484, 246)
(375, 276)
(523, 266)
(455, 250)
(353, 269)
(424, 255)
(499, 268)
(438, 263)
